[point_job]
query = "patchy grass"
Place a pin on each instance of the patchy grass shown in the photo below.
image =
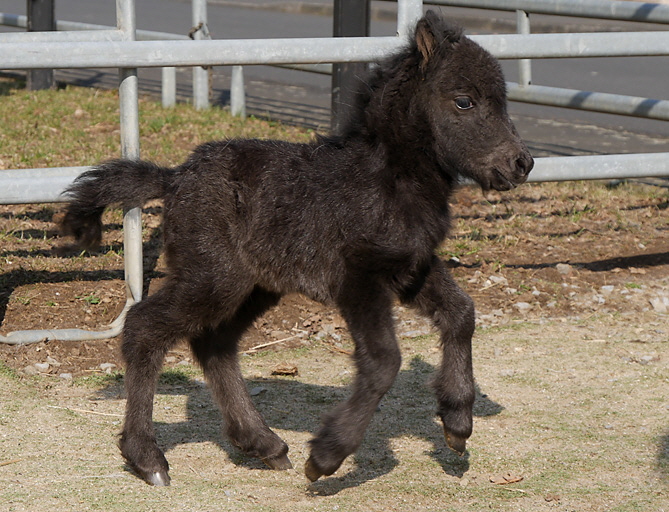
(557, 411)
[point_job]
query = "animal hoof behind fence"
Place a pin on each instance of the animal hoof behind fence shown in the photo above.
(159, 479)
(280, 463)
(456, 443)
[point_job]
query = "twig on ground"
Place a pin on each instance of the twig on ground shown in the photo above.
(8, 462)
(71, 409)
(265, 345)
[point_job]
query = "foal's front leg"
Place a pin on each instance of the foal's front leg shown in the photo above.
(452, 311)
(378, 360)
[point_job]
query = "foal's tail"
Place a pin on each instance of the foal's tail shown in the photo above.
(127, 182)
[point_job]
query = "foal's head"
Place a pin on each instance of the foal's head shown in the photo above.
(462, 95)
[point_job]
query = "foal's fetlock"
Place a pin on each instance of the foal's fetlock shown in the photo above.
(146, 459)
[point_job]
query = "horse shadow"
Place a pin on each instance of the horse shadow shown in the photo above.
(408, 409)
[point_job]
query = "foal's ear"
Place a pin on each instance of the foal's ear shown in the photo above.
(426, 40)
(431, 32)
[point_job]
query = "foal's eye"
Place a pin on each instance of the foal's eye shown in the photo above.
(464, 103)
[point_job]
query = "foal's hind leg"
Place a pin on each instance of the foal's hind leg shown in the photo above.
(151, 327)
(377, 357)
(150, 330)
(452, 311)
(216, 350)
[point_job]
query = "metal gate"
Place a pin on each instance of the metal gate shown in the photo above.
(118, 49)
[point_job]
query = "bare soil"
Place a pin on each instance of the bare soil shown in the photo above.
(541, 252)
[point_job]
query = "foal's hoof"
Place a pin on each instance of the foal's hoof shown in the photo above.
(280, 463)
(456, 443)
(159, 479)
(312, 471)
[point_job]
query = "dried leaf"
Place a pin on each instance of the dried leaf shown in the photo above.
(506, 478)
(285, 369)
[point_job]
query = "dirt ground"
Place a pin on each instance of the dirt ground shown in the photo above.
(571, 284)
(541, 252)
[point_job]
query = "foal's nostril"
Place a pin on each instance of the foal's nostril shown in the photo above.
(524, 164)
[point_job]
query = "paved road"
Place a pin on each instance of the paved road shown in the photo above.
(304, 97)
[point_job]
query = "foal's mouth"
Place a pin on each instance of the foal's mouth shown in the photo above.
(499, 181)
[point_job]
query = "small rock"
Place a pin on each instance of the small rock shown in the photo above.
(52, 361)
(660, 304)
(564, 268)
(30, 370)
(66, 376)
(607, 290)
(42, 367)
(522, 306)
(259, 390)
(498, 279)
(107, 367)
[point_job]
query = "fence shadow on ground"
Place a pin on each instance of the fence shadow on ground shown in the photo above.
(288, 404)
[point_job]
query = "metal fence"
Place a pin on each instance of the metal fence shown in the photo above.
(119, 49)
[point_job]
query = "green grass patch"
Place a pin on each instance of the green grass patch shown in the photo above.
(75, 126)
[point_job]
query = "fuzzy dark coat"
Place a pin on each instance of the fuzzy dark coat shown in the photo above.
(352, 220)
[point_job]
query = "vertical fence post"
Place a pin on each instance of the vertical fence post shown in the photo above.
(200, 74)
(41, 18)
(351, 18)
(524, 65)
(168, 86)
(408, 14)
(129, 115)
(237, 94)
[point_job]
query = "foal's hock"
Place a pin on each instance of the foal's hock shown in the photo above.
(351, 220)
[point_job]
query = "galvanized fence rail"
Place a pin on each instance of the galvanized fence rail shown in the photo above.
(119, 49)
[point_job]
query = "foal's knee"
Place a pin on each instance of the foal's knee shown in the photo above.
(383, 369)
(467, 317)
(459, 318)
